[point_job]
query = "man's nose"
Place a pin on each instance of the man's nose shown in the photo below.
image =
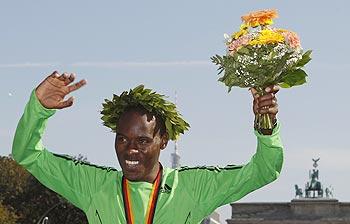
(132, 148)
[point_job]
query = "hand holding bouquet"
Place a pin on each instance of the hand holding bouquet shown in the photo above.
(259, 55)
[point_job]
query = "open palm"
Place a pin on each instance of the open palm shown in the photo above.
(52, 91)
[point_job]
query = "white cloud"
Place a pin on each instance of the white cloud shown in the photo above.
(111, 64)
(117, 64)
(29, 65)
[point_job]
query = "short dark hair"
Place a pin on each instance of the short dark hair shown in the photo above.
(160, 123)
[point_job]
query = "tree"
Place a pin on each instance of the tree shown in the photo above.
(7, 216)
(24, 200)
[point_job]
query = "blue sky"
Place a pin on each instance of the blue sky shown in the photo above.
(166, 45)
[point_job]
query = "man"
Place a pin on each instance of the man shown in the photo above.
(144, 192)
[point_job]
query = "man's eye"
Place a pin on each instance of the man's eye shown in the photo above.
(143, 141)
(121, 139)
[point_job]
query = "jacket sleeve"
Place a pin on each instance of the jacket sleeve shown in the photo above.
(72, 179)
(212, 187)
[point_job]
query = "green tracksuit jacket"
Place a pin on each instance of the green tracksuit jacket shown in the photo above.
(187, 194)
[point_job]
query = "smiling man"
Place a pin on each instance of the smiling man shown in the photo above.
(144, 191)
(138, 144)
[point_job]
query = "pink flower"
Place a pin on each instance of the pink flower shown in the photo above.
(237, 44)
(292, 39)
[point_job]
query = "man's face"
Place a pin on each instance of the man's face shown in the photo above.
(138, 146)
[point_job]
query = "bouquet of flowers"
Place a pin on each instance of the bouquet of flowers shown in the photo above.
(259, 55)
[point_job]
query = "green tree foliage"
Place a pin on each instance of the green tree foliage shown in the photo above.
(13, 178)
(24, 200)
(6, 215)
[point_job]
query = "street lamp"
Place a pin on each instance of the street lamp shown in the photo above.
(44, 217)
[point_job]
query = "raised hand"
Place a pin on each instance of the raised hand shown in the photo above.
(266, 104)
(52, 91)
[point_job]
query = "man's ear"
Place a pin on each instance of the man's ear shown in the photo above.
(164, 141)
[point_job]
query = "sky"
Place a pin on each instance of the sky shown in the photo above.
(167, 45)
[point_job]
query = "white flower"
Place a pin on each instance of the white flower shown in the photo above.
(226, 36)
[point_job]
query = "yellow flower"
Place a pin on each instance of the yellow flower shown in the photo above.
(243, 26)
(242, 31)
(238, 34)
(263, 17)
(267, 37)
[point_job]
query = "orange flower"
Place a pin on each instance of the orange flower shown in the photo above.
(263, 17)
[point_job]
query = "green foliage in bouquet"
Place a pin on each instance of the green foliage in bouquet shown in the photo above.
(267, 72)
(152, 102)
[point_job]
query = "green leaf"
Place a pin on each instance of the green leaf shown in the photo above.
(293, 78)
(243, 50)
(169, 128)
(272, 54)
(138, 88)
(284, 85)
(305, 59)
(217, 59)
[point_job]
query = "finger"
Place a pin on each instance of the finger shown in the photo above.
(66, 103)
(71, 78)
(55, 74)
(267, 103)
(254, 93)
(272, 89)
(255, 107)
(275, 89)
(64, 77)
(77, 85)
(268, 96)
(54, 79)
(271, 110)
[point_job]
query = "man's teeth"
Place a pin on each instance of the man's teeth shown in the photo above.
(130, 162)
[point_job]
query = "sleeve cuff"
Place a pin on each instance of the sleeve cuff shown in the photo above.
(275, 132)
(270, 141)
(36, 106)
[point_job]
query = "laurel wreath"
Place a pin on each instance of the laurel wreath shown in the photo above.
(152, 102)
